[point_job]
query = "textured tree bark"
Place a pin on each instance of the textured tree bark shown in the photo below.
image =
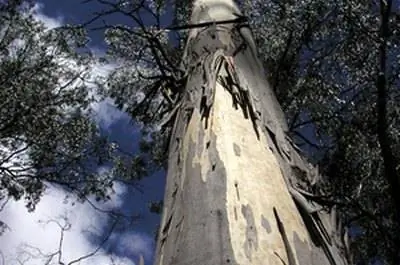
(237, 192)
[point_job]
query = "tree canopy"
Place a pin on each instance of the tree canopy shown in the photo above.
(327, 60)
(47, 134)
(334, 66)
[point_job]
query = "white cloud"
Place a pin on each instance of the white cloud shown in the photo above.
(49, 22)
(105, 113)
(40, 230)
(132, 244)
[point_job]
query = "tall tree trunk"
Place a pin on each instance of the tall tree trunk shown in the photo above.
(237, 190)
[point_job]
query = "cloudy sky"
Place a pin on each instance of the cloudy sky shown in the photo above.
(32, 237)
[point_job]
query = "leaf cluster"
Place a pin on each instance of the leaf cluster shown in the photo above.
(46, 133)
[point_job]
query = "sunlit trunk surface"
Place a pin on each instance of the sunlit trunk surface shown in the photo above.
(236, 186)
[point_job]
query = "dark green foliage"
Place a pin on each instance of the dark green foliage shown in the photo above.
(323, 61)
(156, 207)
(46, 134)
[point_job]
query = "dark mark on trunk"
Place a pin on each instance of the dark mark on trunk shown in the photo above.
(236, 149)
(251, 241)
(265, 224)
(237, 190)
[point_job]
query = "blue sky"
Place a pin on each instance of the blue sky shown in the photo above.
(29, 232)
(74, 12)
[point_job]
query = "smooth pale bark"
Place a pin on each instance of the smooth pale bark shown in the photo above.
(237, 189)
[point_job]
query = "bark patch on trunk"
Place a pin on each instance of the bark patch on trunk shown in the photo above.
(238, 190)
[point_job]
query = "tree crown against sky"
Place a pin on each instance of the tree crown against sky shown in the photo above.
(321, 59)
(48, 133)
(50, 136)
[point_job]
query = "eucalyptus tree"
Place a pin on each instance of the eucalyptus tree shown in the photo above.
(334, 66)
(321, 58)
(237, 189)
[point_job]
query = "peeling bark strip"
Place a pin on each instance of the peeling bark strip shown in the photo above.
(232, 169)
(285, 238)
